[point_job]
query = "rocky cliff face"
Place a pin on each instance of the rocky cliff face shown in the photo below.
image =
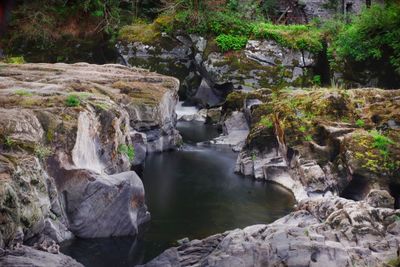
(207, 75)
(69, 135)
(324, 141)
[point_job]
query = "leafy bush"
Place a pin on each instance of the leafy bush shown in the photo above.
(127, 150)
(316, 80)
(228, 23)
(72, 101)
(360, 123)
(14, 60)
(228, 42)
(373, 35)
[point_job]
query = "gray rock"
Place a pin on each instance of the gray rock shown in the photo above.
(322, 232)
(206, 95)
(20, 126)
(26, 256)
(380, 199)
(269, 53)
(199, 42)
(235, 130)
(103, 205)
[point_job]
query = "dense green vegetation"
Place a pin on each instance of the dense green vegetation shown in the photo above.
(374, 35)
(370, 39)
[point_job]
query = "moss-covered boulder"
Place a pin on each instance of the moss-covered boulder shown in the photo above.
(339, 138)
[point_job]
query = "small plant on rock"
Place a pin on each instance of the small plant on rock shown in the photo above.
(72, 101)
(228, 42)
(42, 152)
(266, 122)
(127, 150)
(360, 123)
(381, 142)
(308, 138)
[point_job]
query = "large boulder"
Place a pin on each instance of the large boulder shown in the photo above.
(103, 205)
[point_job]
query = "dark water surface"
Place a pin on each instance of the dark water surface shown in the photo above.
(190, 193)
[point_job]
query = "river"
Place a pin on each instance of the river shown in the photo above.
(192, 192)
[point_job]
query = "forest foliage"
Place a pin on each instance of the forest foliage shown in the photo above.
(373, 35)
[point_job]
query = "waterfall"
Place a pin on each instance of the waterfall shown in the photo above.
(84, 153)
(185, 110)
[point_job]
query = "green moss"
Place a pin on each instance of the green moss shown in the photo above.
(394, 262)
(140, 32)
(300, 37)
(22, 92)
(376, 152)
(235, 101)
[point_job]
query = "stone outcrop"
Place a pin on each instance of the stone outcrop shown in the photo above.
(70, 135)
(207, 75)
(322, 232)
(27, 256)
(300, 140)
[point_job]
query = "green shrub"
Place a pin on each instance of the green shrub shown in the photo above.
(14, 60)
(127, 150)
(317, 80)
(373, 35)
(72, 101)
(228, 23)
(360, 123)
(228, 42)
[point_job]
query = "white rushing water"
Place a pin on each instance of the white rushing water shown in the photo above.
(84, 153)
(185, 111)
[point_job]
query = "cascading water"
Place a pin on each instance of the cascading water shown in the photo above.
(84, 153)
(185, 110)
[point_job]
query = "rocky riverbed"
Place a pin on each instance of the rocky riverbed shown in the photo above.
(325, 145)
(73, 134)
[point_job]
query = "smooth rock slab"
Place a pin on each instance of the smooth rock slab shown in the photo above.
(328, 231)
(27, 256)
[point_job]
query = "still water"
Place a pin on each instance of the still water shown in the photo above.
(192, 192)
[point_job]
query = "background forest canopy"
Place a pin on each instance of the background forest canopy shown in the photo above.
(371, 36)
